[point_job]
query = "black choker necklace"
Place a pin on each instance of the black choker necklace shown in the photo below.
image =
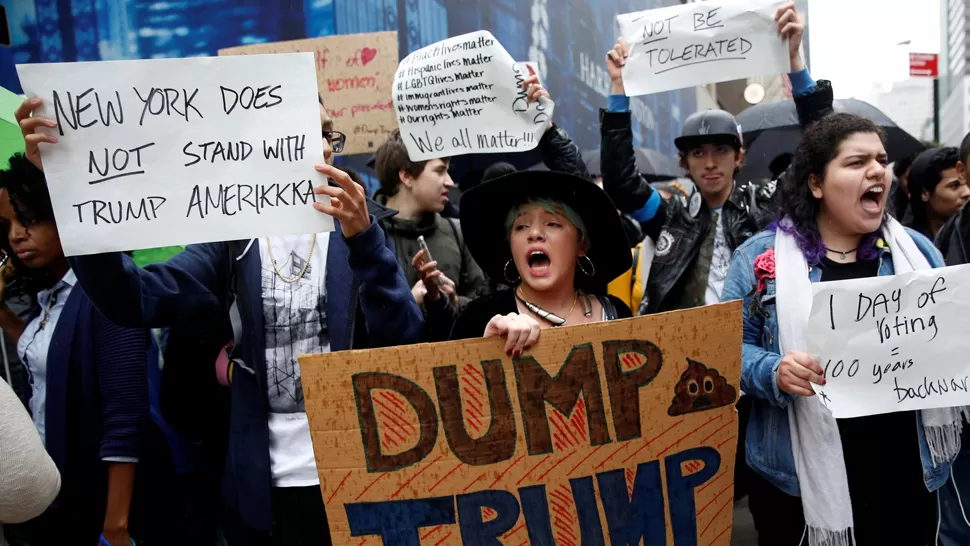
(553, 318)
(842, 253)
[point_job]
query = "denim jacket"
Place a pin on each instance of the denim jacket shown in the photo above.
(768, 440)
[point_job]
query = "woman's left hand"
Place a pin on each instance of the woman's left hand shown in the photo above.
(791, 28)
(536, 92)
(521, 332)
(116, 537)
(347, 202)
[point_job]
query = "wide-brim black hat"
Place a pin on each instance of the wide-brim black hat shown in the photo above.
(485, 208)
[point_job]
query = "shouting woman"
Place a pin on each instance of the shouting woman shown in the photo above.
(854, 476)
(557, 240)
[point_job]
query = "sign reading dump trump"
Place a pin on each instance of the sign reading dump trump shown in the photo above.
(165, 152)
(615, 433)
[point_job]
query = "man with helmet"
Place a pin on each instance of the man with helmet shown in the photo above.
(694, 237)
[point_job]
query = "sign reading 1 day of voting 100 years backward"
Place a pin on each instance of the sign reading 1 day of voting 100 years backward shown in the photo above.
(464, 95)
(173, 151)
(702, 42)
(354, 76)
(617, 433)
(893, 343)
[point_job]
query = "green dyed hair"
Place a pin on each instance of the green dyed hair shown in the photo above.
(552, 207)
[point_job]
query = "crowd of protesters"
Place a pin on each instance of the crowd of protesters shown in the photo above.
(169, 397)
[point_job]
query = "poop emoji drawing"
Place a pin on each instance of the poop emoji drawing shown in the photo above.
(700, 388)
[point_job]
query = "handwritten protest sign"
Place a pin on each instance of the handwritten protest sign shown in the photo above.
(893, 343)
(464, 95)
(611, 433)
(703, 42)
(354, 76)
(172, 151)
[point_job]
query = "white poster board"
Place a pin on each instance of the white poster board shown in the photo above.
(174, 151)
(702, 42)
(464, 95)
(893, 343)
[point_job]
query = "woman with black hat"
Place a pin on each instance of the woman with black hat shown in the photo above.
(557, 240)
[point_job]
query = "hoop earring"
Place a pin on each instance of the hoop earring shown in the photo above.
(588, 270)
(505, 271)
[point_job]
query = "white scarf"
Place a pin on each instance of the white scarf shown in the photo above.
(815, 440)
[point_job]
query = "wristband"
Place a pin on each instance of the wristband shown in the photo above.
(106, 543)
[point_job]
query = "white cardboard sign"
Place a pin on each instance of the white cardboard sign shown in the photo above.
(464, 95)
(173, 151)
(893, 343)
(702, 42)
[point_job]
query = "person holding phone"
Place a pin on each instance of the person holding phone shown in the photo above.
(89, 394)
(418, 191)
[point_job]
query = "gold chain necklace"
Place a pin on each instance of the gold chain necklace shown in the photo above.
(306, 263)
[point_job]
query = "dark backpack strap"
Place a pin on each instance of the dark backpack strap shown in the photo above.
(456, 228)
(609, 310)
(636, 267)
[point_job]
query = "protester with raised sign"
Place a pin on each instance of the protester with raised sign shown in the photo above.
(559, 153)
(834, 226)
(88, 380)
(937, 191)
(296, 294)
(557, 241)
(694, 238)
(449, 278)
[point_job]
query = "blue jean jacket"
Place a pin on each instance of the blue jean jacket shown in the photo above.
(768, 440)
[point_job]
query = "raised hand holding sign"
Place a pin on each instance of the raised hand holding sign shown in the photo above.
(703, 42)
(467, 95)
(143, 154)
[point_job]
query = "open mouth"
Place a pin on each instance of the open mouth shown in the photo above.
(872, 199)
(539, 263)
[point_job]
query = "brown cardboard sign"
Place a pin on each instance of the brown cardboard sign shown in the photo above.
(355, 73)
(617, 433)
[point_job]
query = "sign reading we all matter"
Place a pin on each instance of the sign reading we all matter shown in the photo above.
(617, 433)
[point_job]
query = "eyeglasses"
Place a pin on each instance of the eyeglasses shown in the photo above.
(336, 140)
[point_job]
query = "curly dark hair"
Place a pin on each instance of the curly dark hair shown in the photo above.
(31, 201)
(799, 208)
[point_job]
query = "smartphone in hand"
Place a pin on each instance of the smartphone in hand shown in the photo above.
(427, 257)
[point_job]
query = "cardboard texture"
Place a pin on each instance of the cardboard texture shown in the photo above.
(636, 445)
(355, 73)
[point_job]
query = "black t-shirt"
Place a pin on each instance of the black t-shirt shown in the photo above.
(882, 460)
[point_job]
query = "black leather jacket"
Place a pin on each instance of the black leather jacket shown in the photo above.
(561, 154)
(677, 233)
